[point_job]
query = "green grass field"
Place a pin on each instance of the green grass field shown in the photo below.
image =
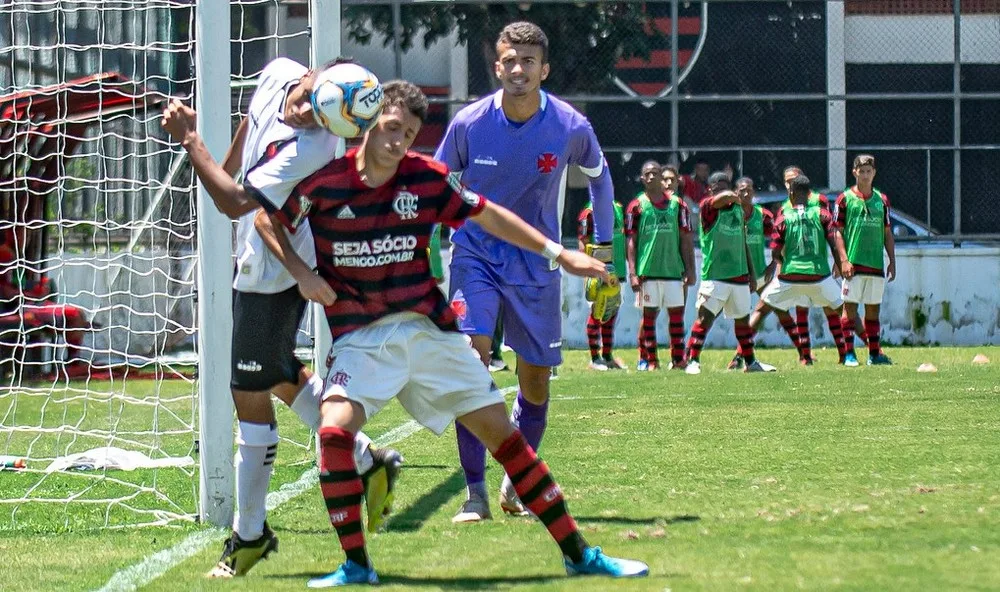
(811, 478)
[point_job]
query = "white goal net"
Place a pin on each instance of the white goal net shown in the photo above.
(99, 263)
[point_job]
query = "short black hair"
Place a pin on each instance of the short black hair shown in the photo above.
(800, 182)
(405, 94)
(651, 163)
(670, 168)
(525, 33)
(718, 177)
(742, 180)
(791, 167)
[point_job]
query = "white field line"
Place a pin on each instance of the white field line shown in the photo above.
(154, 566)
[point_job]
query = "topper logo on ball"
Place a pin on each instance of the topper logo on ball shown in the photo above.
(642, 77)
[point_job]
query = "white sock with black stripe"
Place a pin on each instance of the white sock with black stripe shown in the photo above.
(257, 446)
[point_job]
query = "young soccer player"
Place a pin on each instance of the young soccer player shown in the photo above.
(660, 255)
(515, 146)
(862, 214)
(395, 336)
(601, 332)
(728, 272)
(278, 144)
(801, 234)
(760, 227)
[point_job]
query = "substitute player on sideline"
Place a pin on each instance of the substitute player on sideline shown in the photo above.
(862, 214)
(601, 332)
(660, 255)
(395, 336)
(728, 275)
(801, 234)
(278, 144)
(514, 146)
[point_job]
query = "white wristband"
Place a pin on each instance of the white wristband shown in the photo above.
(552, 250)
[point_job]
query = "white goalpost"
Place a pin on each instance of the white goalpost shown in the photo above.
(115, 266)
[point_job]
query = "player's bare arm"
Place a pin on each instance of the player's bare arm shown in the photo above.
(687, 255)
(836, 242)
(724, 199)
(180, 121)
(311, 286)
(234, 156)
(504, 224)
(890, 251)
(630, 251)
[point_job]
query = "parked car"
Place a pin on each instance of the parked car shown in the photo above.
(903, 225)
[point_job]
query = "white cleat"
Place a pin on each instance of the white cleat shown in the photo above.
(759, 366)
(693, 367)
(475, 509)
(510, 503)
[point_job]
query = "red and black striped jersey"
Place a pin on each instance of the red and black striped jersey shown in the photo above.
(371, 242)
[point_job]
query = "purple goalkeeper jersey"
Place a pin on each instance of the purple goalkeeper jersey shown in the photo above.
(523, 168)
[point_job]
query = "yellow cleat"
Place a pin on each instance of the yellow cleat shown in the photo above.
(379, 482)
(239, 556)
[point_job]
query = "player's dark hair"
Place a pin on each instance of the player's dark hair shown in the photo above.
(790, 168)
(670, 168)
(799, 183)
(407, 95)
(742, 180)
(525, 33)
(718, 177)
(339, 60)
(863, 160)
(651, 163)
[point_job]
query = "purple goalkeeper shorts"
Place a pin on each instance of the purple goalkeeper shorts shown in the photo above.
(531, 315)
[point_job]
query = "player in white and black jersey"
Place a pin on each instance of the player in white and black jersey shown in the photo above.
(279, 143)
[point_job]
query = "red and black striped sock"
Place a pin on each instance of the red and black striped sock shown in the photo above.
(640, 340)
(675, 317)
(874, 328)
(837, 331)
(696, 341)
(649, 344)
(540, 493)
(802, 324)
(607, 337)
(744, 336)
(342, 491)
(847, 326)
(861, 332)
(788, 324)
(593, 333)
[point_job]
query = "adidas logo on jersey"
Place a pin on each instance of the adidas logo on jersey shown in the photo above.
(345, 213)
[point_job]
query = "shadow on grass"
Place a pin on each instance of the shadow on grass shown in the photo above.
(629, 520)
(456, 583)
(414, 516)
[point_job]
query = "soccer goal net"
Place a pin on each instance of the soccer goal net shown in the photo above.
(114, 267)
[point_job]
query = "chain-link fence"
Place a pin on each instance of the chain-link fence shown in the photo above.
(753, 85)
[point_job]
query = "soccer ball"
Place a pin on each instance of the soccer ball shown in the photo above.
(347, 99)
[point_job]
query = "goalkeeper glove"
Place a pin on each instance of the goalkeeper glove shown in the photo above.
(606, 296)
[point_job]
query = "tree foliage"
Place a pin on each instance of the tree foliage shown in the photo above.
(586, 39)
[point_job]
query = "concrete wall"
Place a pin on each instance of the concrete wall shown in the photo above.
(942, 295)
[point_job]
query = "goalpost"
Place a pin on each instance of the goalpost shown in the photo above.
(115, 318)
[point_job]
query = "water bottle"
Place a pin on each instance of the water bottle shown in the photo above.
(12, 462)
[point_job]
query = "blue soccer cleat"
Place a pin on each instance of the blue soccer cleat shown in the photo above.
(851, 360)
(596, 563)
(348, 573)
(642, 366)
(879, 359)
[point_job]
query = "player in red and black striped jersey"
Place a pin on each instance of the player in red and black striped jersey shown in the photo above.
(395, 336)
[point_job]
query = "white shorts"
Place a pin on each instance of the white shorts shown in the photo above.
(435, 374)
(660, 294)
(761, 284)
(864, 289)
(784, 295)
(717, 296)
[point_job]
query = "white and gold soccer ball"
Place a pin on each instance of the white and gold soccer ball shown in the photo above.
(347, 99)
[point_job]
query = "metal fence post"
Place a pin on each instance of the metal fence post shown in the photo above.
(836, 85)
(957, 123)
(674, 79)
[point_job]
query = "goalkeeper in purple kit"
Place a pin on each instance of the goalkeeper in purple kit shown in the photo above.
(515, 146)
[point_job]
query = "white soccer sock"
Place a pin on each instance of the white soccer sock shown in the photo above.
(257, 445)
(363, 452)
(307, 401)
